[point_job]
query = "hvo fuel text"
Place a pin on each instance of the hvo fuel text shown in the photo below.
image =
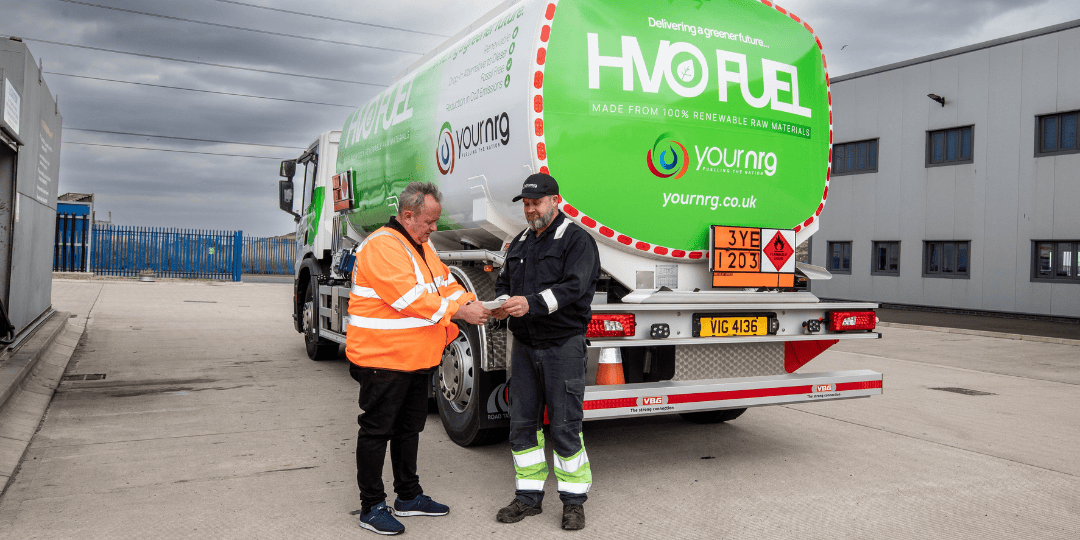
(678, 78)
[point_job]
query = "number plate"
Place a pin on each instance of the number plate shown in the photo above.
(731, 326)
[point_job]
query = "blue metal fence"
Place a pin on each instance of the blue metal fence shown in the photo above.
(269, 255)
(184, 253)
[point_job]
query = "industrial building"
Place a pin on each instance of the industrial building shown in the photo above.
(956, 180)
(29, 173)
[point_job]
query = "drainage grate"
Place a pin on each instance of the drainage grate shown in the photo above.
(965, 391)
(85, 377)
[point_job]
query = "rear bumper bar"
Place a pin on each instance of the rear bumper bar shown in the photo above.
(626, 400)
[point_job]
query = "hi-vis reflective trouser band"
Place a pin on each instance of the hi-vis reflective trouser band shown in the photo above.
(574, 473)
(531, 467)
(406, 299)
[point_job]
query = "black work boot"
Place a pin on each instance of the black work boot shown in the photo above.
(516, 511)
(573, 517)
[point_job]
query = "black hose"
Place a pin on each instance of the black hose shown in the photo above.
(7, 330)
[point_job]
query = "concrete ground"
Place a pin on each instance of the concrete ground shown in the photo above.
(211, 423)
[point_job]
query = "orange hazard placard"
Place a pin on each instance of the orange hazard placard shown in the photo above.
(752, 257)
(342, 191)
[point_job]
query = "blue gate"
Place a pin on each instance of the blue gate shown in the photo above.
(72, 245)
(269, 255)
(182, 253)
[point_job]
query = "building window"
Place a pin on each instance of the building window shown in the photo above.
(886, 259)
(1055, 261)
(1056, 134)
(947, 259)
(855, 157)
(949, 146)
(840, 257)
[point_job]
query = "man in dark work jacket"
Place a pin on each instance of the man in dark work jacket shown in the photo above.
(550, 273)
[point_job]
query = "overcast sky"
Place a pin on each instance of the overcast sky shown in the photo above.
(171, 189)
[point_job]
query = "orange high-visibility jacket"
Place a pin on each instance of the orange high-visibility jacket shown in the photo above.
(400, 307)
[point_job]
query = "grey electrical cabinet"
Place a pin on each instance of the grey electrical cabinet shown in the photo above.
(29, 173)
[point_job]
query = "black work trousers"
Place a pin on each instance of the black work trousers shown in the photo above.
(394, 409)
(553, 378)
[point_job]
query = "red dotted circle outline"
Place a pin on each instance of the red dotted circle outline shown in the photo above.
(543, 33)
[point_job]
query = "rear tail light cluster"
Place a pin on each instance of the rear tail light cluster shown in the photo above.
(611, 325)
(843, 321)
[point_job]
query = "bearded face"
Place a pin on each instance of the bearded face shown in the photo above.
(541, 217)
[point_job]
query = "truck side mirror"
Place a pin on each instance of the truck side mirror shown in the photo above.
(288, 168)
(285, 196)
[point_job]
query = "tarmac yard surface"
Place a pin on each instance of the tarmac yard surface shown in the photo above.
(212, 423)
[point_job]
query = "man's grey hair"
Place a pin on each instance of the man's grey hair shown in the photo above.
(414, 195)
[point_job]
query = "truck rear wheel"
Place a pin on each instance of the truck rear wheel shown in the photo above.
(317, 347)
(712, 417)
(457, 385)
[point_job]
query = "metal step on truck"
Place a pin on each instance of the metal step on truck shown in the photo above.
(692, 141)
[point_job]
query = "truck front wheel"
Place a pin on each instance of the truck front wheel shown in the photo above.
(317, 347)
(712, 417)
(460, 388)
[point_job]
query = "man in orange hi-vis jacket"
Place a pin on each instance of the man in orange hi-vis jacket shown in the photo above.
(401, 308)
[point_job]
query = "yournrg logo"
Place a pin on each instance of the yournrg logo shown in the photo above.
(446, 150)
(735, 160)
(665, 161)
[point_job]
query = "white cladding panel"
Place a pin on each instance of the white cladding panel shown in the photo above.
(1001, 202)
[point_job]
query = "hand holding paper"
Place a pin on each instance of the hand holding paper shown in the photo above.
(496, 303)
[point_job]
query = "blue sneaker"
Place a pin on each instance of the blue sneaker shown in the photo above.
(422, 505)
(380, 520)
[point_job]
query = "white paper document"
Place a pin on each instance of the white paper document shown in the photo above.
(496, 303)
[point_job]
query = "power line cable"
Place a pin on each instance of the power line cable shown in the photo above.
(330, 18)
(197, 90)
(231, 27)
(180, 138)
(257, 70)
(167, 150)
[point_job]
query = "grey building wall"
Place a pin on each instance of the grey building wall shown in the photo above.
(1001, 202)
(26, 278)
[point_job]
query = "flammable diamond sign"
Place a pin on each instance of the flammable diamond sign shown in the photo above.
(778, 247)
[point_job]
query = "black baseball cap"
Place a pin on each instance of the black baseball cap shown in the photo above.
(538, 185)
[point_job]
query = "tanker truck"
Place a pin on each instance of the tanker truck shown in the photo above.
(691, 139)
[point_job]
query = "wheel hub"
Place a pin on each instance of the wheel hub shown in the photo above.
(456, 374)
(309, 317)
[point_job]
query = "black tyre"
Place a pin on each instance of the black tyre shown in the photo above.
(712, 417)
(317, 347)
(459, 386)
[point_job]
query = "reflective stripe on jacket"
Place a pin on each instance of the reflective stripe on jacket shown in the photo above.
(400, 306)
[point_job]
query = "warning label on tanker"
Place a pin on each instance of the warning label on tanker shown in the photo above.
(778, 251)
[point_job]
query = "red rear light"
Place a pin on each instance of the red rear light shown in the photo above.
(611, 325)
(842, 321)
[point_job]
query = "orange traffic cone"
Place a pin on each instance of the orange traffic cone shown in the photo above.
(609, 370)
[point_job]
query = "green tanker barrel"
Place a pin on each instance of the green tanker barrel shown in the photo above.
(658, 119)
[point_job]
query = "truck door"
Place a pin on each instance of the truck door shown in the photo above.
(309, 219)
